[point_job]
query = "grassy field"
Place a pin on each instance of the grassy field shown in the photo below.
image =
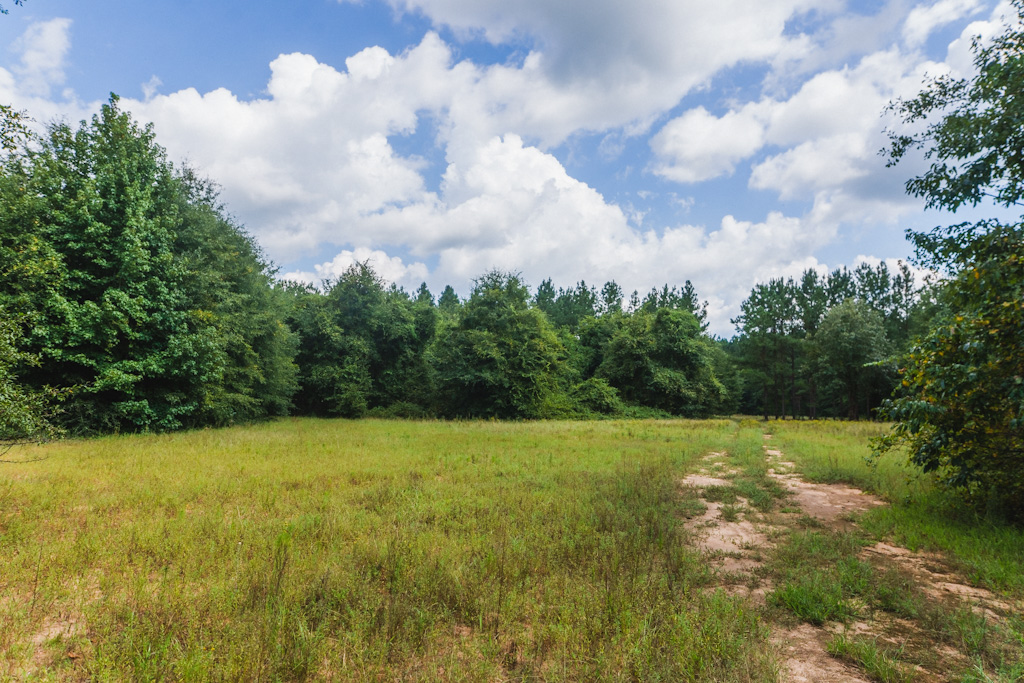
(390, 550)
(920, 516)
(365, 550)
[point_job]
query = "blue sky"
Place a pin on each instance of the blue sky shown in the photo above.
(648, 142)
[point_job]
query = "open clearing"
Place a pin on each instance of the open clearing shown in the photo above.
(379, 550)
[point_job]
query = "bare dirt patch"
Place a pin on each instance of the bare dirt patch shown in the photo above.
(735, 537)
(940, 582)
(732, 547)
(731, 537)
(703, 481)
(832, 504)
(807, 660)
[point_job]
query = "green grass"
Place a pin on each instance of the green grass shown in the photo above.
(876, 661)
(308, 549)
(820, 577)
(920, 517)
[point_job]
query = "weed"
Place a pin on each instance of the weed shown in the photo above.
(876, 661)
(730, 513)
(816, 597)
(719, 494)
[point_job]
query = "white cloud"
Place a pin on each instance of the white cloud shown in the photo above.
(959, 57)
(514, 207)
(150, 87)
(392, 269)
(597, 64)
(812, 166)
(306, 164)
(831, 131)
(29, 84)
(924, 19)
(828, 132)
(699, 146)
(312, 163)
(43, 48)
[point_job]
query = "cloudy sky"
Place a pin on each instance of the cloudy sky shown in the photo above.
(649, 142)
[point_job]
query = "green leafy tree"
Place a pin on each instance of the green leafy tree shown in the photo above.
(571, 306)
(611, 299)
(683, 299)
(851, 346)
(25, 413)
(104, 199)
(448, 303)
(959, 410)
(362, 345)
(225, 276)
(769, 346)
(661, 359)
(959, 413)
(500, 357)
(129, 285)
(545, 297)
(13, 128)
(423, 295)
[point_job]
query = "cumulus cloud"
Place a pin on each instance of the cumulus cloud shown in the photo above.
(392, 269)
(29, 84)
(699, 146)
(924, 19)
(313, 158)
(43, 48)
(514, 207)
(821, 144)
(608, 63)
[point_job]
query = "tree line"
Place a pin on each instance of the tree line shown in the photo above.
(827, 345)
(131, 301)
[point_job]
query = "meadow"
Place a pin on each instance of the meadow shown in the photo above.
(401, 550)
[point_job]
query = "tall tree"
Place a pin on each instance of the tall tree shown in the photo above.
(225, 276)
(611, 298)
(362, 345)
(961, 410)
(682, 299)
(103, 198)
(769, 347)
(131, 286)
(501, 357)
(663, 360)
(851, 344)
(448, 302)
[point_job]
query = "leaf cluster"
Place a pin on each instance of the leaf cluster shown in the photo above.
(961, 401)
(976, 147)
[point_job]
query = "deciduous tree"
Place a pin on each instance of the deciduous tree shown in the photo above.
(960, 410)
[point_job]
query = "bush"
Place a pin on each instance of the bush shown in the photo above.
(597, 396)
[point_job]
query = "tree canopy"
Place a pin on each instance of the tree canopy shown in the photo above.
(130, 286)
(959, 411)
(128, 291)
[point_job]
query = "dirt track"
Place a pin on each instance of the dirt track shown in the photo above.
(736, 545)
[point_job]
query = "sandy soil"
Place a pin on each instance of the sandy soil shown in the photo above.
(735, 549)
(732, 547)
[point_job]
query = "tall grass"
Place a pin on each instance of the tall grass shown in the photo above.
(921, 515)
(308, 549)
